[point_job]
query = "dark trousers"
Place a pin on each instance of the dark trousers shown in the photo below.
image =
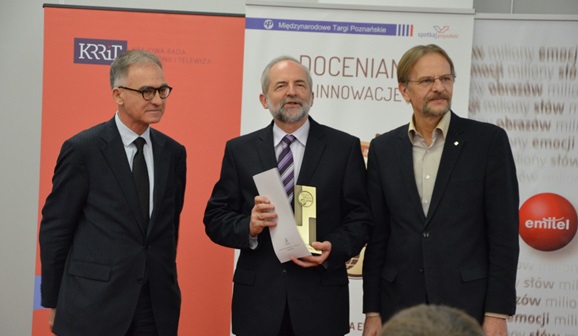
(286, 326)
(143, 322)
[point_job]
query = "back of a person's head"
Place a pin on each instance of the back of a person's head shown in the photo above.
(431, 320)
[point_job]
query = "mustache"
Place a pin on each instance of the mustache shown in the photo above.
(292, 100)
(439, 96)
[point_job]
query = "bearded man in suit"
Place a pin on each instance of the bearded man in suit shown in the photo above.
(310, 295)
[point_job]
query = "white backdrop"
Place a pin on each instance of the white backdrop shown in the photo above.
(524, 79)
(352, 53)
(362, 100)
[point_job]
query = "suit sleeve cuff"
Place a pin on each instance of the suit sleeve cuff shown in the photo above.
(253, 242)
(501, 316)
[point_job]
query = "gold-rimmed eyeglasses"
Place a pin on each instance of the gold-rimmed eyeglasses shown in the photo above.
(148, 92)
(428, 82)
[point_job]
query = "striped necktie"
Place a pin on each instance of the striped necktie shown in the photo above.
(285, 165)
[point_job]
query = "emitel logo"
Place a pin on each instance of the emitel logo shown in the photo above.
(92, 51)
(547, 222)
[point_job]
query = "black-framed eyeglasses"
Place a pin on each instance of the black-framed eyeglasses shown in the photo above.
(428, 82)
(148, 93)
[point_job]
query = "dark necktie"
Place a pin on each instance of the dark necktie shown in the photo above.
(141, 180)
(285, 165)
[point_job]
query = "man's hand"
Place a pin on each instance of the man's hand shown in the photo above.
(51, 318)
(372, 326)
(314, 261)
(263, 215)
(495, 326)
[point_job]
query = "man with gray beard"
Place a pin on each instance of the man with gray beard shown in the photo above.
(444, 197)
(310, 295)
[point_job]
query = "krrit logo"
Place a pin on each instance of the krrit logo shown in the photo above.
(92, 51)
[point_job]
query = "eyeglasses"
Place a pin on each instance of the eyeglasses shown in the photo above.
(148, 93)
(428, 82)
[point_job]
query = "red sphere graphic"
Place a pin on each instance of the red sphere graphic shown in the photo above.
(547, 222)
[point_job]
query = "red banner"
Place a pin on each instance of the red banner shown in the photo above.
(202, 59)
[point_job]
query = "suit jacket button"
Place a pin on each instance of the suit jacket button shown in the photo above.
(140, 280)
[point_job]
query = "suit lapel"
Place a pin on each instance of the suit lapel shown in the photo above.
(265, 148)
(316, 143)
(405, 155)
(114, 153)
(452, 148)
(162, 161)
(311, 158)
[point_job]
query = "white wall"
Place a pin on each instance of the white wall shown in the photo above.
(21, 49)
(20, 89)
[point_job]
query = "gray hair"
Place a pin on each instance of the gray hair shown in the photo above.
(431, 320)
(266, 78)
(119, 67)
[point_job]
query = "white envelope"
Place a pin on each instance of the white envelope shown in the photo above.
(286, 240)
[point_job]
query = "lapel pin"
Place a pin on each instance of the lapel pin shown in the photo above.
(456, 143)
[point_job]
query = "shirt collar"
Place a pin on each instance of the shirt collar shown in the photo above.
(127, 135)
(441, 128)
(300, 134)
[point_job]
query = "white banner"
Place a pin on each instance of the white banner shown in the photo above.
(524, 79)
(352, 54)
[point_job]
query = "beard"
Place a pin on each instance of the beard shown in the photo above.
(284, 114)
(437, 112)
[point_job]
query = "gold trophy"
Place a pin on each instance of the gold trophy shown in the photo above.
(306, 215)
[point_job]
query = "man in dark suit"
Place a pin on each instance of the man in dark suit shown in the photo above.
(310, 295)
(108, 252)
(444, 196)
